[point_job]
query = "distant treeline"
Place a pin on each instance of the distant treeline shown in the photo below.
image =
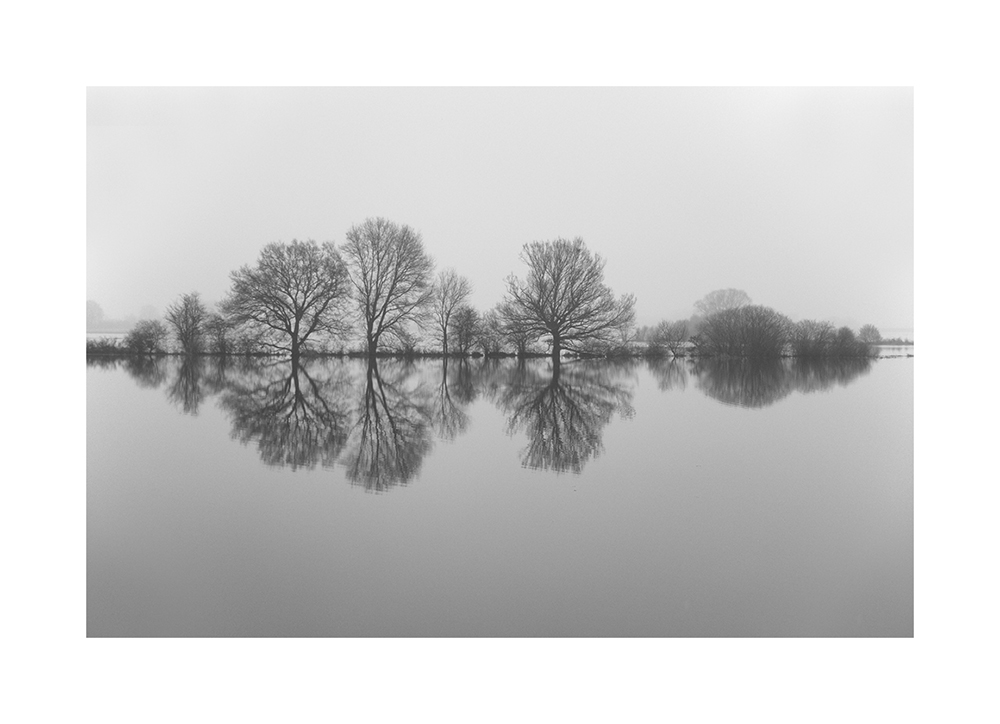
(377, 294)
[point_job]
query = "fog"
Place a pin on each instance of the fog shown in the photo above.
(801, 197)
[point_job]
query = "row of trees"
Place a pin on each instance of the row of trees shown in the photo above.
(381, 283)
(382, 280)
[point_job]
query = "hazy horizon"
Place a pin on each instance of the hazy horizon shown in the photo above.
(801, 197)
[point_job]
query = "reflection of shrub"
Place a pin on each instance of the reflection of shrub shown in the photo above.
(744, 382)
(146, 337)
(752, 331)
(760, 383)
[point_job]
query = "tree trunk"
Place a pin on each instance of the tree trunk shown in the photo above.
(295, 349)
(556, 349)
(444, 341)
(372, 347)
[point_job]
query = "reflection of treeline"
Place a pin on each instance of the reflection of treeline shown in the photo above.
(379, 419)
(760, 383)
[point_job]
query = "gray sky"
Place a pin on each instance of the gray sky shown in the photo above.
(801, 197)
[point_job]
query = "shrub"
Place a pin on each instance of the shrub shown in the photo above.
(146, 337)
(750, 331)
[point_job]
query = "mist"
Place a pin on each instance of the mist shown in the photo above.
(803, 198)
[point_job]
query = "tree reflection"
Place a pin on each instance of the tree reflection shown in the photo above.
(393, 427)
(812, 375)
(148, 372)
(296, 418)
(760, 383)
(104, 362)
(670, 374)
(186, 391)
(450, 400)
(564, 413)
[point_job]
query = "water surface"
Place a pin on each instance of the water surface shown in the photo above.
(492, 498)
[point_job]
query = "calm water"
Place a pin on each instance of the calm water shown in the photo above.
(487, 498)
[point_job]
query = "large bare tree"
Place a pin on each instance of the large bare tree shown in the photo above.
(187, 316)
(450, 291)
(295, 291)
(391, 277)
(564, 297)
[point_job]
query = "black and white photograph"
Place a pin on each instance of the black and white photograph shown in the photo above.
(533, 362)
(500, 362)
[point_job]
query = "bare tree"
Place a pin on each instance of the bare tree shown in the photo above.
(187, 317)
(219, 332)
(390, 274)
(720, 300)
(490, 334)
(564, 297)
(668, 335)
(467, 323)
(869, 334)
(450, 291)
(500, 331)
(295, 291)
(811, 338)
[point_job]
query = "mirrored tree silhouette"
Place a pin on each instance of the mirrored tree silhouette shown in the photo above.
(563, 409)
(455, 391)
(104, 362)
(760, 383)
(393, 427)
(186, 391)
(148, 372)
(670, 373)
(814, 375)
(743, 382)
(297, 416)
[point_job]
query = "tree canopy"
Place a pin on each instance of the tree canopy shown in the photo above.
(188, 317)
(564, 297)
(450, 291)
(390, 274)
(295, 291)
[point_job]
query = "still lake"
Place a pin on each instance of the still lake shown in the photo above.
(497, 498)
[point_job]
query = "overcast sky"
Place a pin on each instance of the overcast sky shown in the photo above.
(801, 197)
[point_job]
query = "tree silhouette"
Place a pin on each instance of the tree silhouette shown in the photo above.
(564, 297)
(187, 316)
(295, 291)
(449, 293)
(391, 277)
